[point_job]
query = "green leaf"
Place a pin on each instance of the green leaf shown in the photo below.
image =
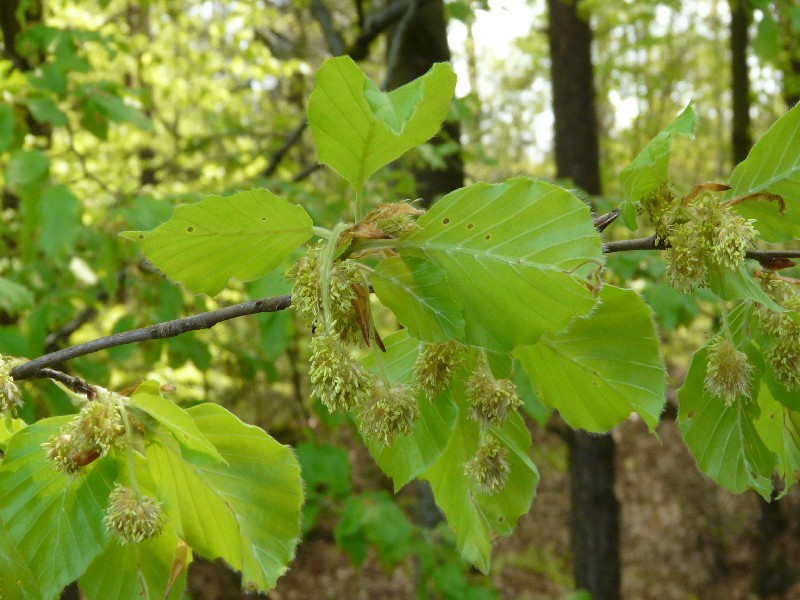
(143, 570)
(246, 236)
(14, 297)
(723, 439)
(246, 512)
(60, 212)
(779, 428)
(411, 454)
(767, 42)
(374, 519)
(54, 520)
(628, 213)
(115, 109)
(6, 126)
(773, 166)
(16, 578)
(650, 168)
(148, 399)
(45, 110)
(419, 295)
(477, 518)
(605, 367)
(738, 285)
(508, 251)
(26, 168)
(358, 128)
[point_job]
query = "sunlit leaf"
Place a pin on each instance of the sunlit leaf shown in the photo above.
(245, 236)
(508, 251)
(604, 367)
(55, 521)
(418, 293)
(358, 128)
(246, 512)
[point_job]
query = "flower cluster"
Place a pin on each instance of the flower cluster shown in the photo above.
(660, 205)
(337, 379)
(10, 397)
(489, 469)
(729, 373)
(133, 518)
(708, 232)
(783, 355)
(389, 412)
(491, 399)
(435, 366)
(90, 435)
(344, 282)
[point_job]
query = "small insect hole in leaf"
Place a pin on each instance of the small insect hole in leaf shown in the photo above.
(470, 226)
(690, 415)
(445, 221)
(190, 229)
(141, 236)
(487, 237)
(263, 218)
(772, 417)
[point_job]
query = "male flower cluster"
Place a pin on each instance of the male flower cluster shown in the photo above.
(133, 518)
(337, 379)
(390, 411)
(783, 355)
(710, 232)
(436, 365)
(10, 397)
(489, 469)
(491, 399)
(90, 435)
(729, 373)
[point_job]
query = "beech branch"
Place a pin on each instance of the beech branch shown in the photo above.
(39, 368)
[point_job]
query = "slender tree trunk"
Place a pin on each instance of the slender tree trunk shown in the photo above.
(418, 41)
(741, 139)
(594, 506)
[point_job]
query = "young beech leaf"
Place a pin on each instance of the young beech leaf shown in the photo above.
(604, 367)
(15, 574)
(773, 166)
(245, 236)
(650, 168)
(723, 438)
(54, 520)
(419, 295)
(148, 399)
(358, 128)
(247, 511)
(509, 252)
(779, 427)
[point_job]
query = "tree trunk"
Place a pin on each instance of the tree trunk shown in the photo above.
(418, 41)
(594, 506)
(741, 140)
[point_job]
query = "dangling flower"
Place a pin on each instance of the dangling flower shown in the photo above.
(491, 399)
(391, 411)
(784, 360)
(337, 379)
(435, 366)
(10, 397)
(686, 267)
(729, 373)
(733, 236)
(489, 469)
(133, 519)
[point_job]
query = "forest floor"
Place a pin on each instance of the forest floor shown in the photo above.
(683, 537)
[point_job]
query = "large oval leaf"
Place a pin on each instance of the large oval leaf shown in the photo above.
(508, 251)
(55, 521)
(603, 368)
(245, 236)
(246, 512)
(358, 128)
(773, 166)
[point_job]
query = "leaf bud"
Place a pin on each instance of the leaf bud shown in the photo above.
(489, 469)
(131, 518)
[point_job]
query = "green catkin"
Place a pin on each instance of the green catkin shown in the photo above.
(491, 399)
(10, 397)
(435, 366)
(131, 518)
(489, 469)
(729, 373)
(337, 379)
(391, 411)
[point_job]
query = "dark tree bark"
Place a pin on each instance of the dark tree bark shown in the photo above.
(594, 506)
(741, 139)
(418, 41)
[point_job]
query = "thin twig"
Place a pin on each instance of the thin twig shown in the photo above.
(167, 329)
(76, 384)
(291, 139)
